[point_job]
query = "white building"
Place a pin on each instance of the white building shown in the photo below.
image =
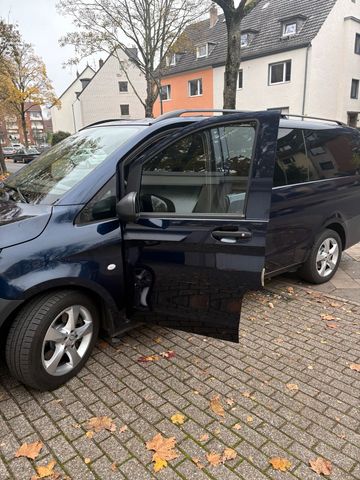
(107, 94)
(63, 117)
(300, 56)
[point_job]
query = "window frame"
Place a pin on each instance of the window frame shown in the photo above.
(286, 25)
(78, 220)
(199, 83)
(124, 82)
(357, 44)
(168, 92)
(285, 64)
(199, 216)
(246, 43)
(206, 45)
(354, 91)
(128, 107)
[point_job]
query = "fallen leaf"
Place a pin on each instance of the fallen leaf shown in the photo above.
(90, 434)
(230, 401)
(355, 366)
(87, 460)
(249, 419)
(169, 354)
(271, 305)
(332, 325)
(44, 471)
(123, 429)
(229, 454)
(237, 426)
(292, 386)
(204, 438)
(164, 449)
(321, 466)
(197, 462)
(310, 367)
(29, 450)
(290, 290)
(279, 463)
(114, 467)
(159, 464)
(102, 344)
(178, 419)
(148, 358)
(246, 394)
(97, 424)
(158, 340)
(335, 304)
(214, 458)
(327, 317)
(216, 406)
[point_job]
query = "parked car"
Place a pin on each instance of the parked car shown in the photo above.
(17, 146)
(25, 155)
(8, 151)
(166, 221)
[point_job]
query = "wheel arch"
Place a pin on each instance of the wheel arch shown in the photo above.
(340, 230)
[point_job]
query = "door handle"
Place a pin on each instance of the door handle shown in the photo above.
(222, 235)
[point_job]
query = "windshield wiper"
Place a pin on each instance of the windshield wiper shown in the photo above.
(17, 190)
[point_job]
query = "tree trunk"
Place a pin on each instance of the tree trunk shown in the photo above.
(23, 126)
(232, 62)
(150, 100)
(3, 168)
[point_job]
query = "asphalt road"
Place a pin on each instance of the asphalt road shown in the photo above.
(13, 167)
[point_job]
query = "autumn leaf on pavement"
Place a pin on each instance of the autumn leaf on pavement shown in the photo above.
(168, 354)
(321, 466)
(290, 290)
(230, 401)
(197, 462)
(164, 449)
(123, 429)
(216, 406)
(204, 437)
(327, 317)
(279, 463)
(178, 419)
(271, 305)
(293, 387)
(97, 424)
(237, 426)
(214, 458)
(355, 366)
(148, 358)
(29, 450)
(229, 454)
(332, 325)
(44, 471)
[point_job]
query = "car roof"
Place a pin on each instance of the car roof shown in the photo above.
(307, 123)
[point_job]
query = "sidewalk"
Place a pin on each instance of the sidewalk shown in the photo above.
(287, 390)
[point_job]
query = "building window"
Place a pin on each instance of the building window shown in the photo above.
(165, 92)
(202, 51)
(357, 44)
(279, 72)
(195, 87)
(123, 87)
(354, 88)
(289, 28)
(244, 40)
(240, 79)
(125, 110)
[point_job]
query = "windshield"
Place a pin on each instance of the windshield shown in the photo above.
(62, 167)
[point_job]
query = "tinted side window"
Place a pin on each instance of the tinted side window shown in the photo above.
(292, 163)
(333, 152)
(206, 172)
(102, 206)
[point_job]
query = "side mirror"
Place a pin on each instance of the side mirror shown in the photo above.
(127, 208)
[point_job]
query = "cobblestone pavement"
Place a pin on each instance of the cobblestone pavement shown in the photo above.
(287, 344)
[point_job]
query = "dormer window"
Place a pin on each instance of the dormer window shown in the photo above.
(289, 28)
(171, 60)
(202, 50)
(245, 40)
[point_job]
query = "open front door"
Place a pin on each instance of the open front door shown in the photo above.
(198, 243)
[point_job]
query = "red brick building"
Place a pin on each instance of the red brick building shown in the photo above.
(11, 131)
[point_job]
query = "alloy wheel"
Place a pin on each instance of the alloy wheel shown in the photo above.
(327, 257)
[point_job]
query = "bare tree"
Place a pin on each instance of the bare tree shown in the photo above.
(233, 18)
(152, 26)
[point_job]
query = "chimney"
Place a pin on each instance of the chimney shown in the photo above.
(213, 15)
(101, 63)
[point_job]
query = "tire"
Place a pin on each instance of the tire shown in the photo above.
(51, 339)
(328, 248)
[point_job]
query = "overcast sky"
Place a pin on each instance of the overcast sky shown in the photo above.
(41, 25)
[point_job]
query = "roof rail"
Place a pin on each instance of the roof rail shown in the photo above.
(102, 121)
(307, 117)
(179, 113)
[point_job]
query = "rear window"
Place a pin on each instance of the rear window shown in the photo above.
(310, 155)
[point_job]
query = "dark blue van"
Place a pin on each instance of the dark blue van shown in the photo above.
(167, 221)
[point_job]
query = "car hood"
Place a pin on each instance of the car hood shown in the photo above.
(21, 222)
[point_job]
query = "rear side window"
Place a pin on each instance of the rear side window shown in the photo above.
(334, 153)
(309, 155)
